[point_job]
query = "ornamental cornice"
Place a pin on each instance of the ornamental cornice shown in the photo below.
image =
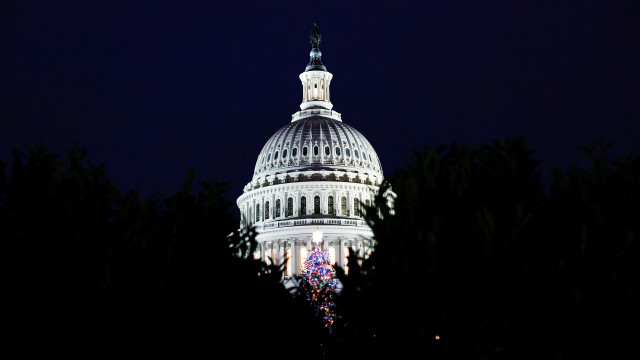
(306, 186)
(304, 169)
(349, 177)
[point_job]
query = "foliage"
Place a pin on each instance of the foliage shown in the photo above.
(475, 259)
(96, 272)
(476, 254)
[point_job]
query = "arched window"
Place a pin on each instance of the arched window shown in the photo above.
(294, 152)
(305, 151)
(332, 256)
(287, 268)
(278, 208)
(316, 205)
(364, 156)
(327, 151)
(332, 210)
(303, 206)
(355, 152)
(257, 212)
(337, 151)
(269, 157)
(266, 210)
(345, 211)
(275, 156)
(316, 151)
(347, 152)
(290, 207)
(262, 160)
(303, 257)
(268, 254)
(356, 209)
(284, 153)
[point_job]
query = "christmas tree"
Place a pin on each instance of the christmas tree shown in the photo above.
(318, 282)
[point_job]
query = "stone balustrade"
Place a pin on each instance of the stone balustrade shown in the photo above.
(304, 222)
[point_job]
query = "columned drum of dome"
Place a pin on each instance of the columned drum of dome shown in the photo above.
(310, 176)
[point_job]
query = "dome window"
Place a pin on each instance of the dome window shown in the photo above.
(347, 152)
(284, 153)
(275, 156)
(294, 152)
(305, 151)
(327, 151)
(370, 158)
(355, 152)
(316, 151)
(303, 205)
(262, 160)
(268, 157)
(337, 151)
(364, 156)
(343, 205)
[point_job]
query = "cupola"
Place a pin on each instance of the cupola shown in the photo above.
(315, 79)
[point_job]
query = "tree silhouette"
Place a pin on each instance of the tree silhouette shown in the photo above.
(475, 260)
(96, 272)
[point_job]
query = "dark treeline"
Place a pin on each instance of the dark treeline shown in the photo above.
(475, 260)
(98, 273)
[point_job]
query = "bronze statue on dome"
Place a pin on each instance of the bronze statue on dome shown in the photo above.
(315, 36)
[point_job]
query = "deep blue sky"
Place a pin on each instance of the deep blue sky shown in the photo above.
(151, 89)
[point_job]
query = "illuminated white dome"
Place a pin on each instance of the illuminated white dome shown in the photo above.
(311, 176)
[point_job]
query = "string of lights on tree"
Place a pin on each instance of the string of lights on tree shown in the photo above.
(319, 282)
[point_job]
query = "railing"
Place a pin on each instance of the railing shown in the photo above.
(324, 112)
(304, 222)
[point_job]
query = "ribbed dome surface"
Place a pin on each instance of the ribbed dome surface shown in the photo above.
(317, 142)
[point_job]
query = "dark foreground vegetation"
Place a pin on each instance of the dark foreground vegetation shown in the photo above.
(476, 252)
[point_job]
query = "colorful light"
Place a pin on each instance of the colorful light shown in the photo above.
(319, 282)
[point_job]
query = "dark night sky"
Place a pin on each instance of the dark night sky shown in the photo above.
(151, 89)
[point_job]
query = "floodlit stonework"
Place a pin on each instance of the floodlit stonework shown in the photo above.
(312, 175)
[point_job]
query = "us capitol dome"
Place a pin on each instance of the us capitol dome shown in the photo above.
(311, 176)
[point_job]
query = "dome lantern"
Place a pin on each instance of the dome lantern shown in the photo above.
(315, 79)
